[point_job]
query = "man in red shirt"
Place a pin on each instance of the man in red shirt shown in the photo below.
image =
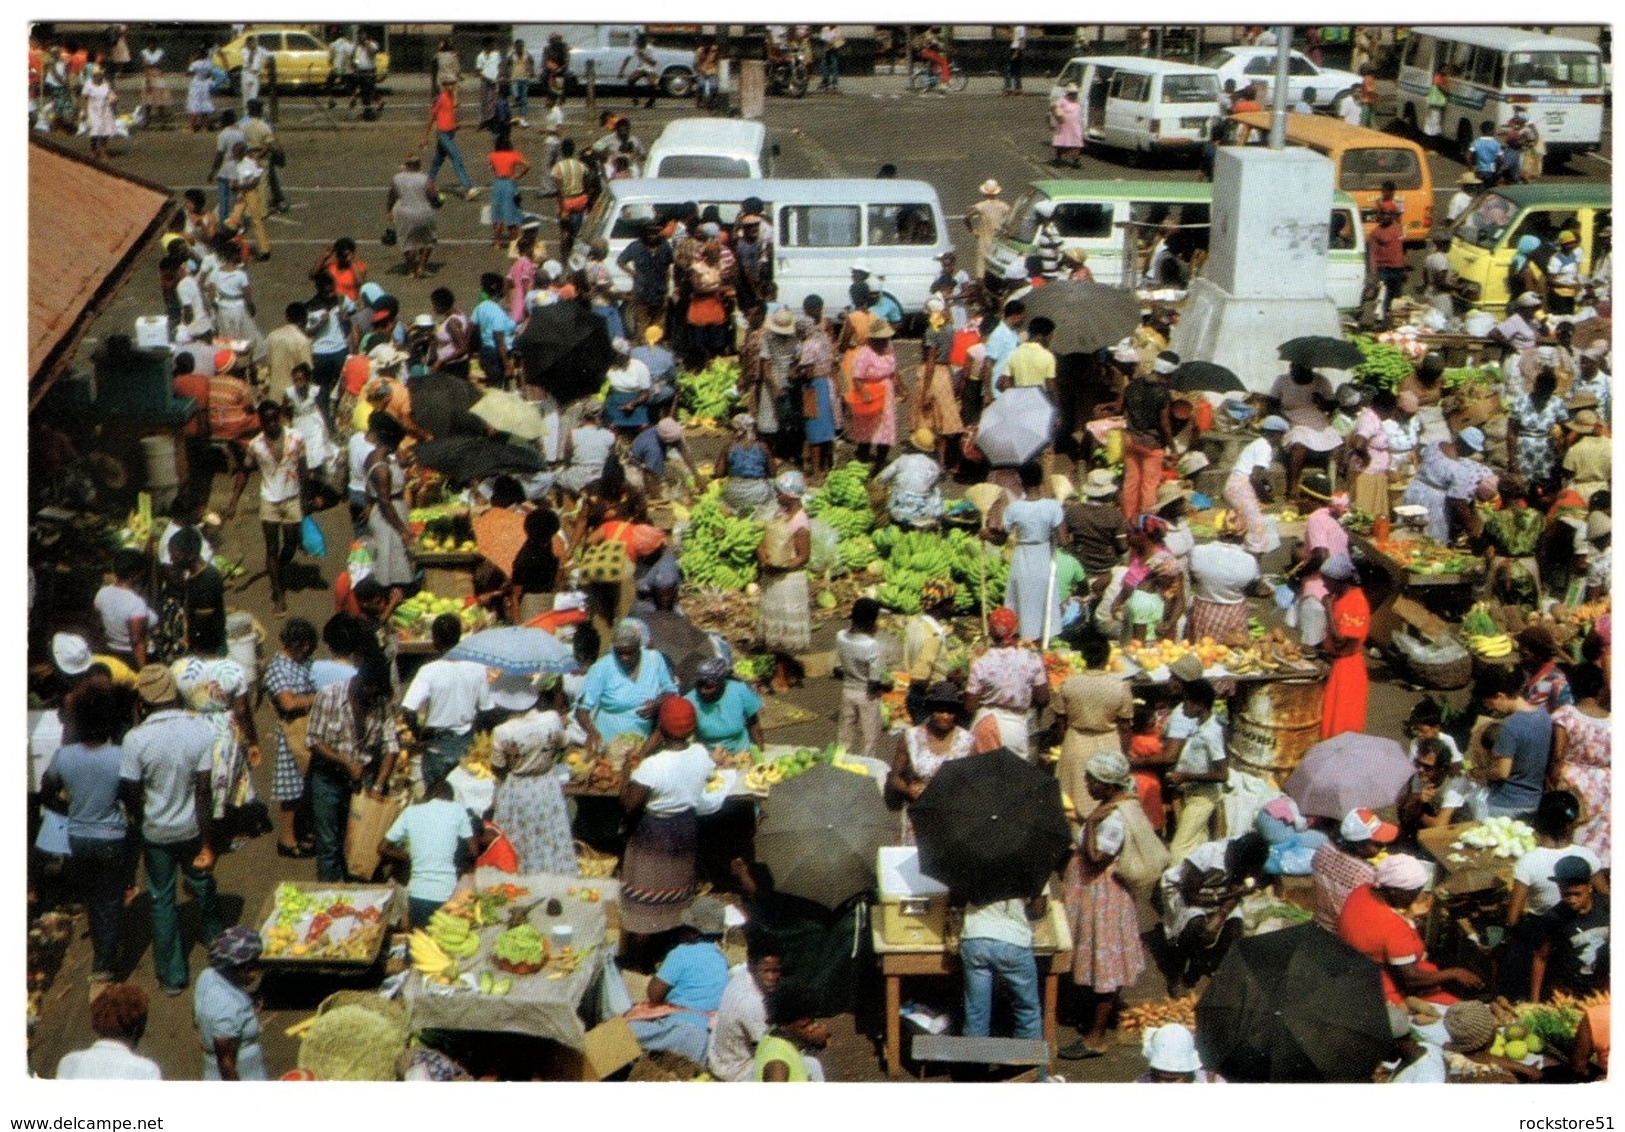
(1385, 254)
(1374, 924)
(442, 124)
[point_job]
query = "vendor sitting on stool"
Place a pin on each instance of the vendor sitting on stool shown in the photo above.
(687, 990)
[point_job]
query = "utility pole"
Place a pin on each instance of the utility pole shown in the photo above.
(1283, 66)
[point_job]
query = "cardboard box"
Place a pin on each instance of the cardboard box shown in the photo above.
(913, 907)
(610, 1046)
(152, 332)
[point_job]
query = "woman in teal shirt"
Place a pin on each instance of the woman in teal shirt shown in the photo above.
(624, 688)
(729, 710)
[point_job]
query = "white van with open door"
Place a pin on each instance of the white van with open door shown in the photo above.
(1143, 105)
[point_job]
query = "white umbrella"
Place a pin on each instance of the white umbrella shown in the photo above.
(1016, 427)
(510, 413)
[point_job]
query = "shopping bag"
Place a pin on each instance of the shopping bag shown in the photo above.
(311, 539)
(371, 815)
(295, 732)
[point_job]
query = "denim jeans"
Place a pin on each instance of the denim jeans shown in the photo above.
(330, 813)
(326, 369)
(100, 870)
(164, 861)
(830, 66)
(445, 149)
(1012, 71)
(519, 96)
(985, 960)
(441, 754)
(223, 205)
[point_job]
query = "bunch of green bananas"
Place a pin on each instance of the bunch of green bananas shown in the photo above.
(711, 393)
(1385, 366)
(719, 549)
(856, 552)
(844, 487)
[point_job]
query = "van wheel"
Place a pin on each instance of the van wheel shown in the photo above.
(677, 83)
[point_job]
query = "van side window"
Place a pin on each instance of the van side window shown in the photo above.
(820, 226)
(1298, 65)
(1487, 68)
(1131, 87)
(1084, 221)
(630, 223)
(1543, 225)
(1366, 169)
(892, 224)
(1073, 73)
(1415, 55)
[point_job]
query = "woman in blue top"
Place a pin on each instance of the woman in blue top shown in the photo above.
(728, 711)
(87, 772)
(495, 328)
(228, 1026)
(623, 689)
(749, 467)
(1032, 521)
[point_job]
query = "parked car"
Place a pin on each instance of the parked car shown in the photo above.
(1256, 65)
(610, 49)
(302, 58)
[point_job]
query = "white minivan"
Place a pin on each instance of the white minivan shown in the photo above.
(711, 147)
(822, 228)
(1143, 105)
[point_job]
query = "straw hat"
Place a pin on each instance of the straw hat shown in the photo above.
(782, 321)
(923, 439)
(991, 188)
(1468, 178)
(983, 495)
(1099, 484)
(882, 329)
(1168, 492)
(1585, 422)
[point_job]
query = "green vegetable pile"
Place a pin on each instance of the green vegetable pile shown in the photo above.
(710, 394)
(353, 1043)
(1553, 1025)
(916, 557)
(719, 549)
(1385, 366)
(843, 503)
(521, 946)
(752, 669)
(856, 552)
(1470, 381)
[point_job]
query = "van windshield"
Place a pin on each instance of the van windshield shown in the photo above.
(1190, 88)
(1075, 220)
(1367, 169)
(1482, 224)
(706, 167)
(1554, 68)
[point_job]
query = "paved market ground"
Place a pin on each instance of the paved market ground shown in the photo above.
(336, 178)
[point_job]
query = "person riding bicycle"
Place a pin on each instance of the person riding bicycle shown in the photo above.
(933, 53)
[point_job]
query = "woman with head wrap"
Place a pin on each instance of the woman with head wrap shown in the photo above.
(228, 1024)
(530, 808)
(630, 387)
(785, 624)
(748, 467)
(218, 691)
(914, 482)
(1374, 923)
(1101, 903)
(1348, 621)
(1447, 483)
(1526, 274)
(586, 448)
(922, 750)
(1006, 682)
(658, 878)
(727, 711)
(623, 689)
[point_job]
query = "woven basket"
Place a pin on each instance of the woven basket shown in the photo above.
(594, 864)
(1445, 677)
(390, 1009)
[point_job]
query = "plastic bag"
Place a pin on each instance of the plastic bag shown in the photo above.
(311, 539)
(1416, 650)
(824, 555)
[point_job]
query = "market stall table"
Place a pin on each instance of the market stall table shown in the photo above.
(1052, 945)
(547, 1004)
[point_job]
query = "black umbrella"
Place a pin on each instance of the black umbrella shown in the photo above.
(991, 827)
(819, 834)
(684, 645)
(1297, 1004)
(566, 350)
(1204, 377)
(1087, 316)
(439, 400)
(1317, 350)
(464, 459)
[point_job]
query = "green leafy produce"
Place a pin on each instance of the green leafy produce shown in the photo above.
(719, 549)
(752, 669)
(521, 945)
(353, 1043)
(846, 486)
(1385, 366)
(856, 552)
(711, 393)
(1470, 381)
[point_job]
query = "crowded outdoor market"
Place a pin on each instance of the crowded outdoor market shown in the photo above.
(756, 585)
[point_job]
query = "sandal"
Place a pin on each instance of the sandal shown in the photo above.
(1077, 1051)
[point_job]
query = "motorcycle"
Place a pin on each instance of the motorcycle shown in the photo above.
(790, 74)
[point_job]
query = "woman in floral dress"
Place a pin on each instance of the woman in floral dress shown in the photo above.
(1531, 420)
(922, 750)
(1582, 756)
(530, 806)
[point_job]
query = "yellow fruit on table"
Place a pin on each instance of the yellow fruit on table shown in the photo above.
(1517, 1050)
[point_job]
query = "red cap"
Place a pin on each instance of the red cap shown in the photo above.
(1004, 621)
(677, 718)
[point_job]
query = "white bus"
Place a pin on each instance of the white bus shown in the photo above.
(1493, 69)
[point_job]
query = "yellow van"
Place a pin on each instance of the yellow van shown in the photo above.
(1363, 158)
(1486, 236)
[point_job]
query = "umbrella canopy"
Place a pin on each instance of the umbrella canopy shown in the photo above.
(991, 827)
(510, 413)
(1297, 1004)
(438, 399)
(464, 459)
(1316, 350)
(684, 645)
(1349, 771)
(566, 348)
(1204, 377)
(1016, 427)
(1087, 316)
(517, 651)
(819, 833)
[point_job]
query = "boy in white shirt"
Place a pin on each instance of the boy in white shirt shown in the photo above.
(445, 696)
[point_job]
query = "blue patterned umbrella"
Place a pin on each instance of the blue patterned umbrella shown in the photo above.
(517, 651)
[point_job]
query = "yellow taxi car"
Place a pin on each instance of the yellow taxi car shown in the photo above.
(302, 59)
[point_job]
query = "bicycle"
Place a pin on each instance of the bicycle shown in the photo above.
(924, 78)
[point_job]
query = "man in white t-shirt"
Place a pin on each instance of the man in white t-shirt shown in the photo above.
(279, 455)
(432, 832)
(1201, 768)
(857, 652)
(445, 696)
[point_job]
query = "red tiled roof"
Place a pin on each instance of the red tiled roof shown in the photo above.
(86, 226)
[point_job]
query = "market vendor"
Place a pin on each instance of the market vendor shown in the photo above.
(223, 1009)
(1223, 573)
(914, 482)
(1588, 463)
(1346, 862)
(1512, 535)
(728, 711)
(1304, 397)
(686, 991)
(1201, 905)
(1007, 681)
(1447, 483)
(741, 1018)
(623, 689)
(1435, 792)
(1249, 485)
(1200, 769)
(748, 466)
(930, 651)
(1323, 537)
(1374, 922)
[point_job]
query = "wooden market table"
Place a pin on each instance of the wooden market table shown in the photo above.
(1052, 946)
(1437, 842)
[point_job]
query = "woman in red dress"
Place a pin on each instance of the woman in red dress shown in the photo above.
(1348, 622)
